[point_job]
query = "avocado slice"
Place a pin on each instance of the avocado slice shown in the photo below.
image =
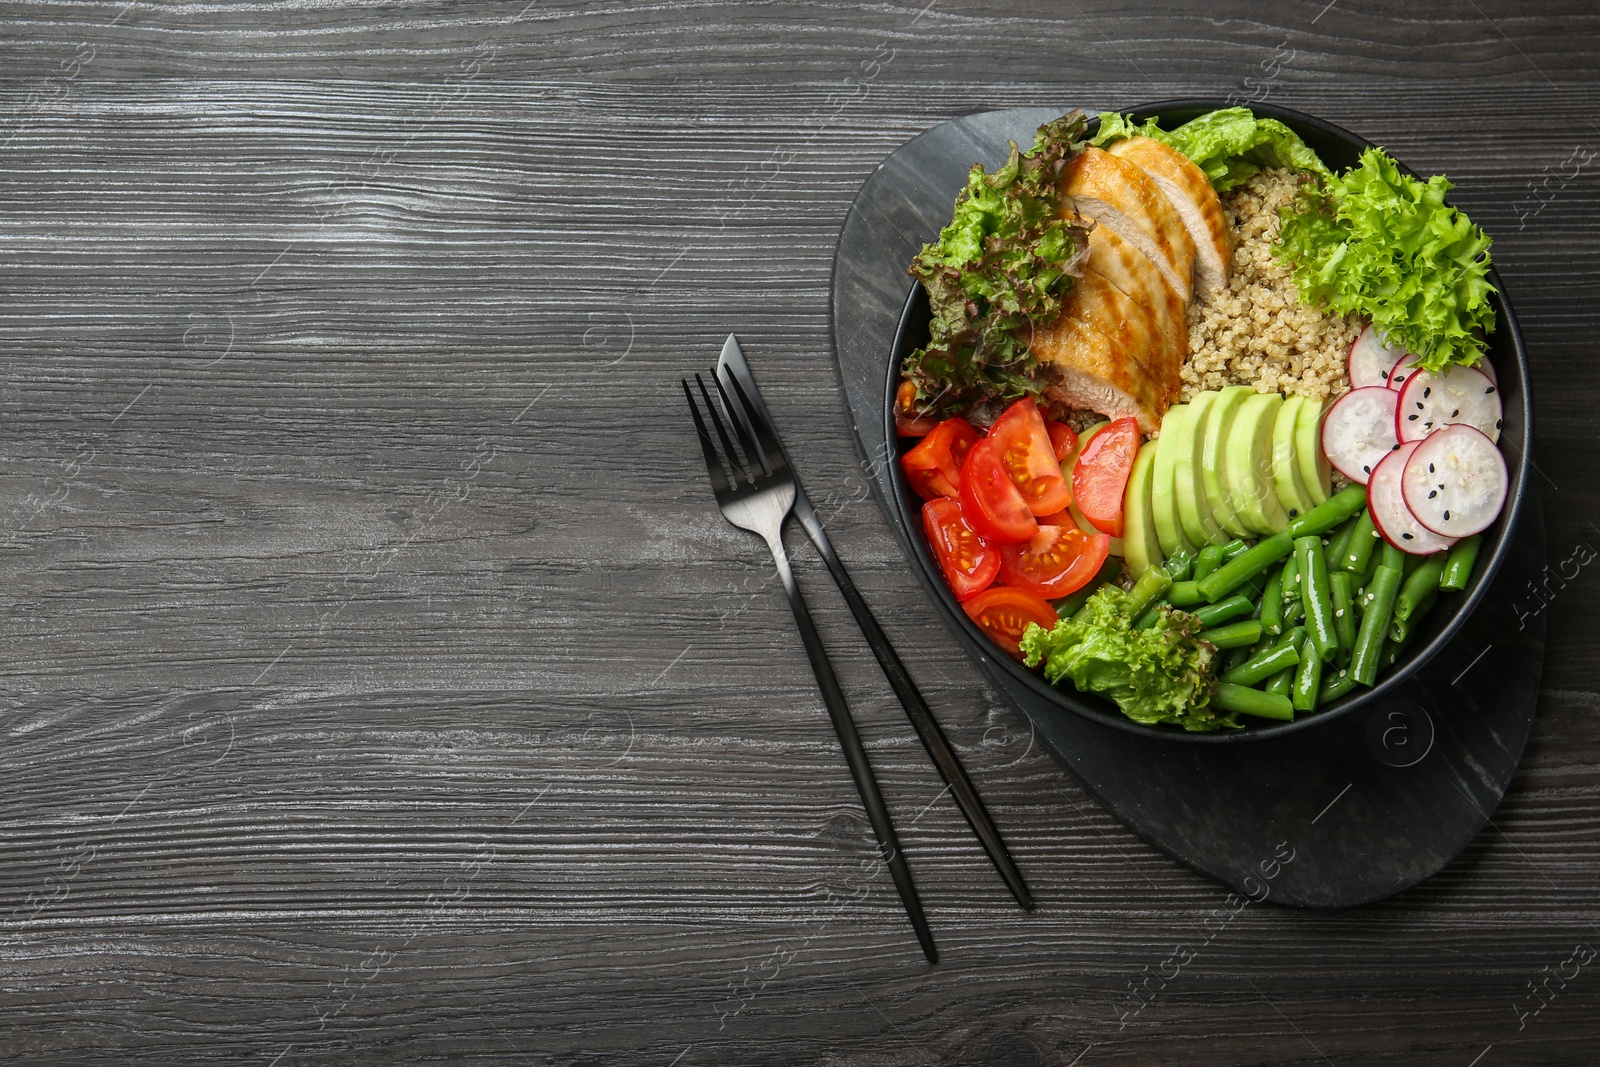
(1292, 493)
(1163, 483)
(1141, 544)
(1247, 465)
(1193, 512)
(1315, 471)
(1219, 426)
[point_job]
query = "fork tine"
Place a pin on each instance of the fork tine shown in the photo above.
(719, 477)
(740, 470)
(740, 417)
(766, 433)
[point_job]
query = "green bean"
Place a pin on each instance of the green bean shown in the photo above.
(1339, 543)
(1233, 634)
(1335, 686)
(1295, 612)
(1147, 590)
(1363, 539)
(1374, 625)
(1148, 619)
(1179, 565)
(1228, 577)
(1364, 578)
(1330, 513)
(1281, 683)
(1316, 595)
(1419, 585)
(1209, 559)
(1308, 676)
(1223, 610)
(1244, 654)
(1233, 550)
(1393, 558)
(1184, 595)
(1261, 667)
(1413, 561)
(1249, 701)
(1067, 608)
(1344, 612)
(1458, 568)
(1393, 649)
(1291, 580)
(1272, 603)
(1402, 629)
(1291, 638)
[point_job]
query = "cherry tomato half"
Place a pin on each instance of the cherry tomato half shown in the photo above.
(1101, 475)
(969, 565)
(990, 501)
(1029, 456)
(1058, 562)
(933, 467)
(1004, 613)
(1062, 437)
(907, 422)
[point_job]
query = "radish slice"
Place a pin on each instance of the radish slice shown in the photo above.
(1486, 368)
(1430, 401)
(1358, 431)
(1386, 500)
(1371, 360)
(1455, 483)
(1403, 370)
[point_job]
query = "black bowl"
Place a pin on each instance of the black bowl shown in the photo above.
(1340, 149)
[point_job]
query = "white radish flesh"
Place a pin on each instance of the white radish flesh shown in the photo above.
(1371, 359)
(1429, 402)
(1359, 431)
(1386, 500)
(1455, 482)
(1402, 371)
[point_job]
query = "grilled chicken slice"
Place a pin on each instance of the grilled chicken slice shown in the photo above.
(1124, 199)
(1189, 191)
(1131, 271)
(1094, 352)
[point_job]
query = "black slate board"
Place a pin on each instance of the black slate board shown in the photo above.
(1343, 814)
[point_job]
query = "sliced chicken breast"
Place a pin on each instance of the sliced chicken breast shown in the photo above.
(1095, 349)
(1131, 271)
(1123, 198)
(1189, 191)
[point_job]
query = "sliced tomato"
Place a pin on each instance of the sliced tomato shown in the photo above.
(990, 501)
(1060, 518)
(969, 565)
(933, 467)
(1003, 613)
(1101, 475)
(1062, 437)
(1029, 456)
(907, 421)
(1058, 562)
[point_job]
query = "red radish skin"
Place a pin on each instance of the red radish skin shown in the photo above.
(1358, 431)
(1402, 371)
(1369, 360)
(1456, 481)
(1394, 521)
(1430, 402)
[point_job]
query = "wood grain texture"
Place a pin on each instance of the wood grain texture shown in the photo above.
(381, 684)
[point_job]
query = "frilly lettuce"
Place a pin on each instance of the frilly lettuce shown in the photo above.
(1230, 145)
(1005, 262)
(1157, 675)
(1386, 245)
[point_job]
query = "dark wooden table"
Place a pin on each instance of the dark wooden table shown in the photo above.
(380, 684)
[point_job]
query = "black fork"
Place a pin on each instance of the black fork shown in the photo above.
(755, 488)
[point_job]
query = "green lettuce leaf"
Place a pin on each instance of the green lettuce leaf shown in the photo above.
(1156, 675)
(1385, 245)
(1230, 145)
(1005, 262)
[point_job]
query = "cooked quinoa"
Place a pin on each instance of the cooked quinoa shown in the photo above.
(1258, 333)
